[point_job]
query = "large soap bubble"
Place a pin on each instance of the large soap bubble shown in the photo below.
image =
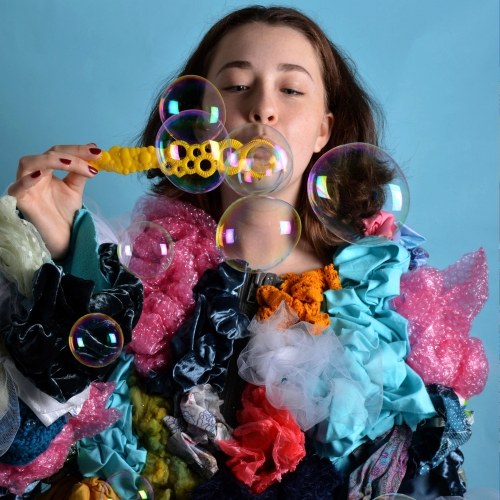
(127, 485)
(192, 92)
(146, 249)
(340, 175)
(258, 160)
(96, 340)
(188, 150)
(258, 230)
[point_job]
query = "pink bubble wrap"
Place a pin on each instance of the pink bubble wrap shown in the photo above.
(168, 298)
(440, 307)
(92, 419)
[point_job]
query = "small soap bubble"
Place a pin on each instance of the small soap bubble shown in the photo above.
(126, 486)
(258, 160)
(258, 230)
(146, 249)
(96, 340)
(188, 150)
(349, 166)
(192, 92)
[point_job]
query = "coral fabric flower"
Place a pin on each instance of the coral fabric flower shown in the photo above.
(380, 224)
(266, 445)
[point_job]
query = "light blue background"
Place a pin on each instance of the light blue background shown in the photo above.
(79, 72)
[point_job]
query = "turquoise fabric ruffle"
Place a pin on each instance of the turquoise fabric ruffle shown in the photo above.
(82, 259)
(376, 344)
(116, 449)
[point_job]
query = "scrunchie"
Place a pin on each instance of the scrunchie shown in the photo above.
(202, 346)
(39, 343)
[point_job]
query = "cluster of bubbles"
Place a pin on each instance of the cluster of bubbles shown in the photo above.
(257, 231)
(188, 142)
(126, 486)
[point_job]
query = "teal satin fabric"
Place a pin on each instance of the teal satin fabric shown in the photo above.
(116, 449)
(376, 344)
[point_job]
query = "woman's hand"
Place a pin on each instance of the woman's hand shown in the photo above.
(48, 202)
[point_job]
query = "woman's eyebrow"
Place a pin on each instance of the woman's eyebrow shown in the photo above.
(287, 67)
(235, 64)
(282, 67)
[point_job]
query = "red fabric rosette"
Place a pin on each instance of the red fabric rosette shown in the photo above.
(267, 444)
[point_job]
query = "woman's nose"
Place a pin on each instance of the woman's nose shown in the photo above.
(263, 108)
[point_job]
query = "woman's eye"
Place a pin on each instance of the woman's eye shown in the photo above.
(292, 92)
(236, 88)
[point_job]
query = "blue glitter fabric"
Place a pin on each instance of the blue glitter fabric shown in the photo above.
(32, 438)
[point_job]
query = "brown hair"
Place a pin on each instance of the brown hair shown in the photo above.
(357, 117)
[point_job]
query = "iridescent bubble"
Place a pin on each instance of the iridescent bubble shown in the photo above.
(127, 486)
(192, 92)
(96, 340)
(258, 230)
(258, 160)
(338, 176)
(146, 249)
(188, 150)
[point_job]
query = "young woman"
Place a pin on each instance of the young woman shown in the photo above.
(276, 67)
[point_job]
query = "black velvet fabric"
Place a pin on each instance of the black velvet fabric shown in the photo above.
(435, 451)
(39, 343)
(202, 346)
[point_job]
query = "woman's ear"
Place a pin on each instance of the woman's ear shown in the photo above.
(325, 132)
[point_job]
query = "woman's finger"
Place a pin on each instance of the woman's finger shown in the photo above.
(53, 160)
(19, 188)
(85, 152)
(76, 181)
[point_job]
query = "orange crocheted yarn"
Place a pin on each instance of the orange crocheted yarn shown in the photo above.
(303, 293)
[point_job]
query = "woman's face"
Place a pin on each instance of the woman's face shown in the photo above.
(272, 75)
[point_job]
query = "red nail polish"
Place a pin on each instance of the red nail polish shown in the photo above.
(93, 170)
(36, 174)
(63, 160)
(95, 151)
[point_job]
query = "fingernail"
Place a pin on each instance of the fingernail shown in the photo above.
(95, 151)
(93, 170)
(36, 174)
(63, 160)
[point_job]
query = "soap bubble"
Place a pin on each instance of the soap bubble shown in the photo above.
(258, 160)
(259, 230)
(350, 165)
(127, 486)
(188, 150)
(146, 249)
(192, 92)
(96, 340)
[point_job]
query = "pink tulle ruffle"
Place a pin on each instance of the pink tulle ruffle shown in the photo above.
(266, 445)
(92, 419)
(440, 307)
(168, 298)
